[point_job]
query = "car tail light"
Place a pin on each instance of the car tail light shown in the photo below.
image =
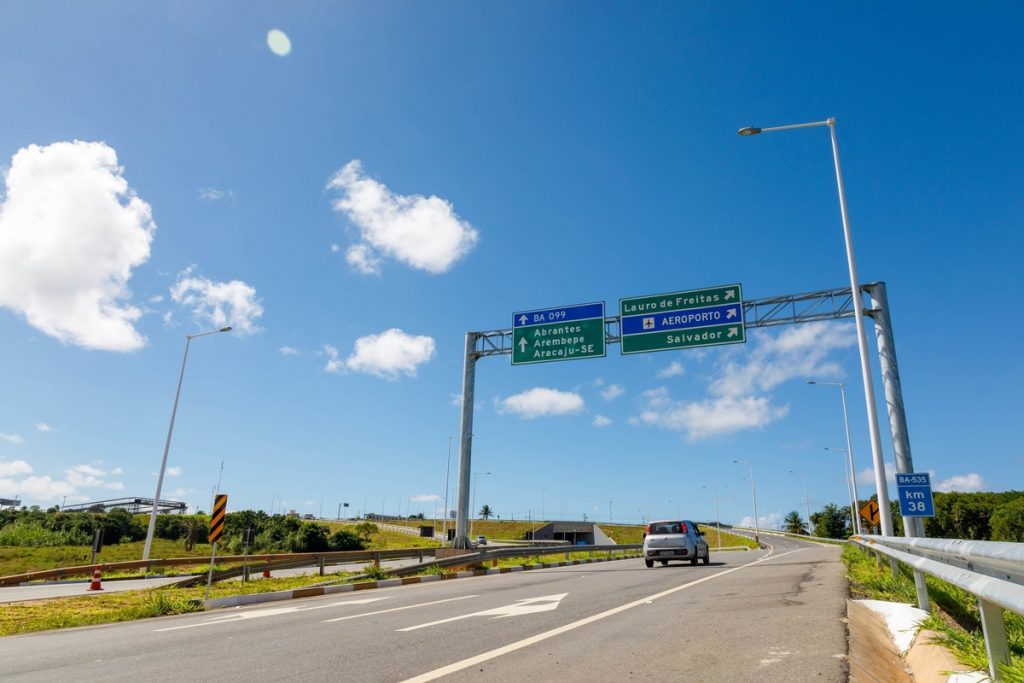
(682, 527)
(648, 528)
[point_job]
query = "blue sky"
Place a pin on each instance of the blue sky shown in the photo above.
(408, 172)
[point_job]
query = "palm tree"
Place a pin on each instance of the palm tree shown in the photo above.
(794, 524)
(486, 512)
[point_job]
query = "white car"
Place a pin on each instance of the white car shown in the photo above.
(674, 540)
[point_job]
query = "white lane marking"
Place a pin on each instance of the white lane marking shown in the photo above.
(512, 647)
(272, 612)
(519, 608)
(399, 609)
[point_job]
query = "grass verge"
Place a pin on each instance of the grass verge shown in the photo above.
(954, 611)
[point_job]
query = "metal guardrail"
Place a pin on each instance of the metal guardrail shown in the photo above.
(336, 557)
(991, 571)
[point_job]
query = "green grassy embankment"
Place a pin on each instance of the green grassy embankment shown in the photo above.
(954, 611)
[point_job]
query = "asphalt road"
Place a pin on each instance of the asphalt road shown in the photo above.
(774, 615)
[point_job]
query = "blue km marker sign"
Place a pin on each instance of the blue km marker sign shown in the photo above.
(915, 493)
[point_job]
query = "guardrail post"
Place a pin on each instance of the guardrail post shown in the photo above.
(994, 630)
(376, 560)
(321, 565)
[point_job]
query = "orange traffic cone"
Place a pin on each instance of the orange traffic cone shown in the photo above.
(95, 585)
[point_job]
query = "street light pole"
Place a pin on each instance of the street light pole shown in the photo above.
(807, 513)
(167, 444)
(852, 475)
(858, 311)
(447, 472)
(849, 491)
(753, 496)
(718, 517)
(473, 506)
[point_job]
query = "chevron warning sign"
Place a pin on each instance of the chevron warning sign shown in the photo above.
(220, 506)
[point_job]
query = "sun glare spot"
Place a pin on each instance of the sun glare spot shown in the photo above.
(278, 42)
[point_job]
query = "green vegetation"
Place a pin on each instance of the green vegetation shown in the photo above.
(794, 524)
(955, 612)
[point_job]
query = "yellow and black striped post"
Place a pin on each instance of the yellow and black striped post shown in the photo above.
(220, 508)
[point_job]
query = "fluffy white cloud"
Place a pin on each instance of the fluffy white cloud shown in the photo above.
(11, 468)
(47, 488)
(674, 369)
(288, 351)
(425, 498)
(334, 363)
(542, 402)
(71, 231)
(798, 351)
(173, 471)
(962, 482)
(867, 476)
(612, 392)
(11, 438)
(769, 521)
(335, 248)
(43, 427)
(219, 303)
(422, 232)
(213, 194)
(601, 421)
(710, 417)
(388, 354)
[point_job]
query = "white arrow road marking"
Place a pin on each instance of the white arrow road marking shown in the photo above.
(272, 612)
(532, 640)
(730, 294)
(523, 319)
(398, 609)
(731, 314)
(519, 608)
(522, 345)
(733, 332)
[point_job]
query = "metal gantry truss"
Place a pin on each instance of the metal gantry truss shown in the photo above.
(827, 304)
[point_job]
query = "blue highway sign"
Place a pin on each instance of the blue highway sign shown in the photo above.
(915, 493)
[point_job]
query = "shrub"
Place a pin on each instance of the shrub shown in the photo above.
(310, 537)
(1008, 522)
(344, 539)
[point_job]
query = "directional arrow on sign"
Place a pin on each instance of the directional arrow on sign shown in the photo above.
(545, 603)
(731, 294)
(523, 320)
(731, 314)
(522, 345)
(733, 331)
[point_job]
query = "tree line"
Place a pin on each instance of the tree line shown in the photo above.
(266, 533)
(981, 516)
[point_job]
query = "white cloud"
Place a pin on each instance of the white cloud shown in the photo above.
(288, 351)
(71, 231)
(335, 248)
(390, 354)
(799, 351)
(13, 467)
(674, 369)
(334, 364)
(180, 492)
(173, 471)
(363, 259)
(710, 417)
(769, 521)
(213, 194)
(867, 476)
(219, 303)
(962, 482)
(11, 438)
(422, 232)
(612, 392)
(542, 402)
(425, 498)
(47, 488)
(601, 421)
(156, 299)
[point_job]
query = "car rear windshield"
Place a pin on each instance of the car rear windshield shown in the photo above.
(667, 528)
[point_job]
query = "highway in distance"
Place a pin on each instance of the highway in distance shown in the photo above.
(768, 615)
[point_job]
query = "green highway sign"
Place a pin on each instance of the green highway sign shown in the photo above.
(677, 320)
(552, 334)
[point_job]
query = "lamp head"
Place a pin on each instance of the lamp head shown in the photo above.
(748, 131)
(225, 329)
(811, 381)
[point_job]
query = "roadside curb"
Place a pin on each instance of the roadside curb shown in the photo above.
(313, 591)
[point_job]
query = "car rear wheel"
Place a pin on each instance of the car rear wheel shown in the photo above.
(707, 558)
(649, 563)
(693, 560)
(664, 562)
